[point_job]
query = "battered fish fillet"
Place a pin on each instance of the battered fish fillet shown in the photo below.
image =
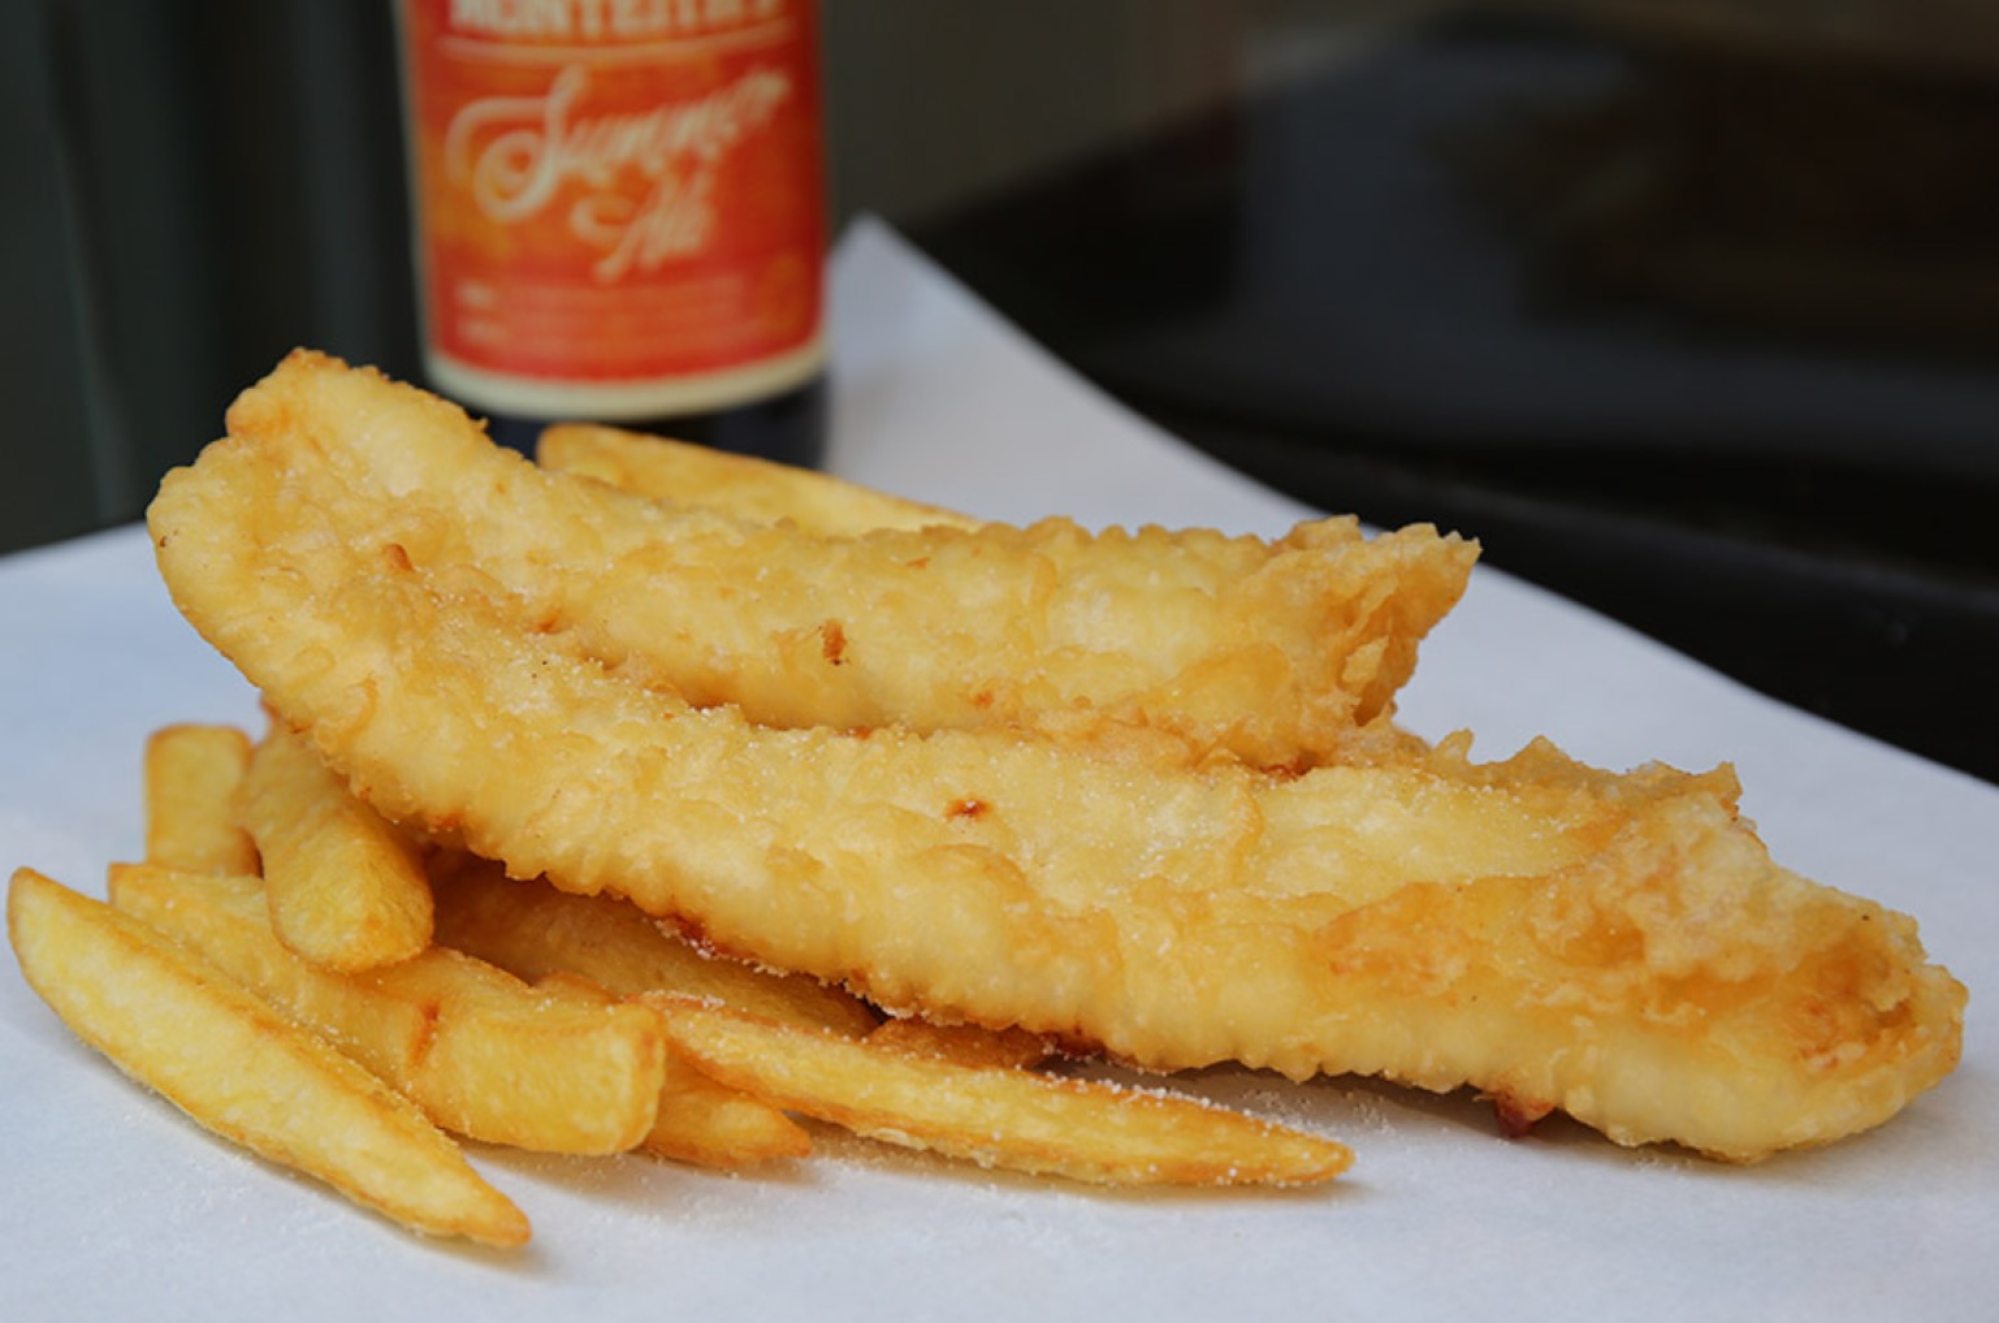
(1270, 651)
(740, 485)
(1619, 947)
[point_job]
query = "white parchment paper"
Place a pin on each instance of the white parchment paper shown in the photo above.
(113, 1205)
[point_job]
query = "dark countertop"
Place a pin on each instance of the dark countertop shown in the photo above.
(1541, 288)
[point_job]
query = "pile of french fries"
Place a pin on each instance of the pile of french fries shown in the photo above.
(302, 978)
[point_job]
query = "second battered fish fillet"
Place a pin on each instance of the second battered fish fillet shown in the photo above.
(1619, 947)
(1273, 652)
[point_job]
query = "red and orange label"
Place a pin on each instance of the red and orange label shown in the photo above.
(620, 205)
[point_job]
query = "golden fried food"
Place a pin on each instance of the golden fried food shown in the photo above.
(347, 891)
(1270, 651)
(996, 1116)
(532, 931)
(713, 1125)
(966, 1044)
(700, 1120)
(1619, 947)
(240, 1069)
(191, 777)
(549, 1069)
(738, 485)
(535, 932)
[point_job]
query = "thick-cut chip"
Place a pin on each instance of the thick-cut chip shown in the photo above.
(241, 1070)
(738, 485)
(480, 1052)
(995, 1116)
(225, 920)
(539, 1068)
(347, 891)
(701, 1121)
(531, 930)
(713, 1125)
(966, 1044)
(192, 773)
(1271, 650)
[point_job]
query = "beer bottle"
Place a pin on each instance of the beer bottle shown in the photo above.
(619, 215)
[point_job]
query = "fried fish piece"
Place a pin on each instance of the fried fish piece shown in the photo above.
(1271, 651)
(1619, 947)
(739, 485)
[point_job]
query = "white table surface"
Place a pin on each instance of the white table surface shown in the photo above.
(113, 1205)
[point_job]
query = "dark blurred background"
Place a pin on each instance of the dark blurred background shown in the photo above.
(1688, 308)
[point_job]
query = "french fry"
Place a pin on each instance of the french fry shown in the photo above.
(347, 891)
(480, 1052)
(191, 777)
(536, 932)
(996, 1117)
(532, 930)
(966, 1044)
(240, 1069)
(712, 1125)
(738, 485)
(703, 1122)
(224, 920)
(535, 1068)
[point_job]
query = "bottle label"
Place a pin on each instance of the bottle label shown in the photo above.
(620, 210)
